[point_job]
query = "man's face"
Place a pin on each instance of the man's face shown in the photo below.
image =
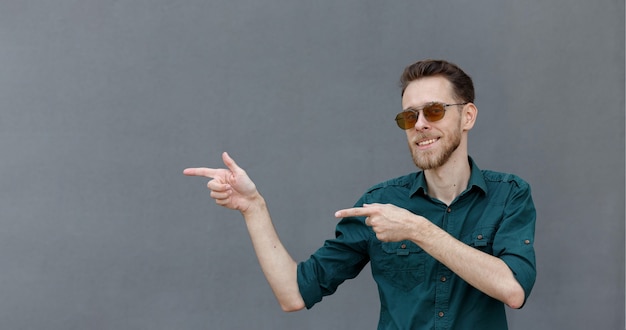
(432, 144)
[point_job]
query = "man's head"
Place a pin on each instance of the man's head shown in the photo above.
(437, 112)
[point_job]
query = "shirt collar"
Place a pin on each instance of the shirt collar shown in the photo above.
(476, 180)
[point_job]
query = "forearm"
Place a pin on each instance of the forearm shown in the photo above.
(279, 268)
(485, 272)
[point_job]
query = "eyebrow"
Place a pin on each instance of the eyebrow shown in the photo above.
(423, 105)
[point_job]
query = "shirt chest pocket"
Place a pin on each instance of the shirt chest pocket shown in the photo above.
(481, 239)
(399, 264)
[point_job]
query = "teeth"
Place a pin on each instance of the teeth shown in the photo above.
(426, 142)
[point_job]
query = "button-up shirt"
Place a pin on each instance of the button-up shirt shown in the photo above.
(495, 214)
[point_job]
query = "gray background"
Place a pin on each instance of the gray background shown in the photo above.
(103, 103)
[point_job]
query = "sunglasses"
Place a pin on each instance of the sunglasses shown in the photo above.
(432, 112)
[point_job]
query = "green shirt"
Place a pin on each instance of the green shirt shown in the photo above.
(495, 214)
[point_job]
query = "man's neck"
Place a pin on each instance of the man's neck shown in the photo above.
(447, 182)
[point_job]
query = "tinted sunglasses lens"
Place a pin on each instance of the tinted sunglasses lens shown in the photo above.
(406, 119)
(434, 112)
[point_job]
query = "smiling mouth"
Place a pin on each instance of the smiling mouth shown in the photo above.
(424, 143)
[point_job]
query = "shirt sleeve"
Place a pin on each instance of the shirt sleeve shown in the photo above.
(514, 240)
(337, 260)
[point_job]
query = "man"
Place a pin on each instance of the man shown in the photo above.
(449, 246)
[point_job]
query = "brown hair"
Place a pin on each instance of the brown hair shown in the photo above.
(461, 82)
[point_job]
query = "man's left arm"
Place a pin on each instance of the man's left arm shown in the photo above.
(487, 273)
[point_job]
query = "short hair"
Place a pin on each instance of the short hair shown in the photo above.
(462, 84)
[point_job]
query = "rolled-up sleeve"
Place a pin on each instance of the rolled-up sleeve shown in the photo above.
(514, 240)
(337, 260)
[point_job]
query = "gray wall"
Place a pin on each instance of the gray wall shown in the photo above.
(103, 103)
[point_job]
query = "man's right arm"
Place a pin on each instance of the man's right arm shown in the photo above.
(279, 268)
(232, 188)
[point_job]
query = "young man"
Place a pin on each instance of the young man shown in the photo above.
(449, 246)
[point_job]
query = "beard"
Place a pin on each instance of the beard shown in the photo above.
(430, 159)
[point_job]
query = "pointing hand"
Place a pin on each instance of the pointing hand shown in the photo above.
(389, 222)
(230, 187)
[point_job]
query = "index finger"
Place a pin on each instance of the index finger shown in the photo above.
(354, 212)
(200, 171)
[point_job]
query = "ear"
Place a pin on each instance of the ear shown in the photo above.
(469, 114)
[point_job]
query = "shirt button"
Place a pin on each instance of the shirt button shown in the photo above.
(449, 210)
(403, 246)
(443, 279)
(440, 314)
(527, 242)
(479, 236)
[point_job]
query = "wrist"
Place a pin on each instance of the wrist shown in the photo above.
(423, 229)
(256, 205)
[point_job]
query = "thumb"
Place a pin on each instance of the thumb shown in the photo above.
(230, 163)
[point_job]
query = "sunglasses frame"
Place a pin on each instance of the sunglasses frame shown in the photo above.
(402, 118)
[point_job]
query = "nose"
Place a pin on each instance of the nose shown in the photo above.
(421, 123)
